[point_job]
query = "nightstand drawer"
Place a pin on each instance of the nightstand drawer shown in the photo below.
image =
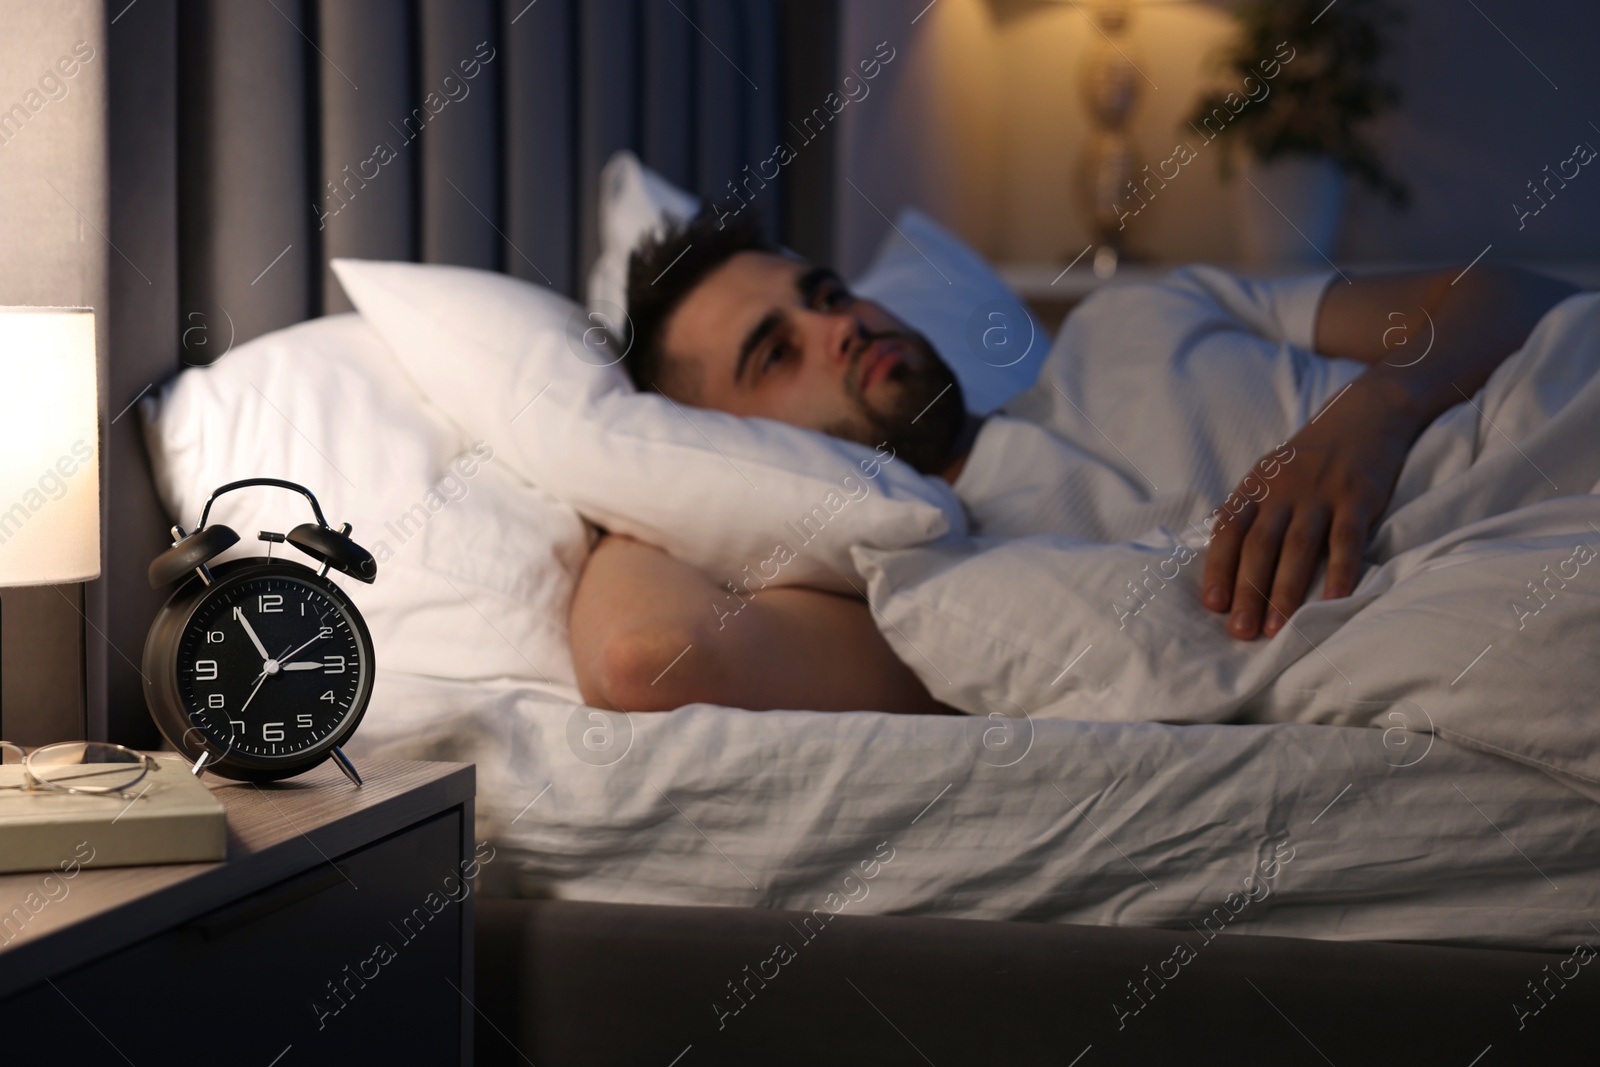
(350, 962)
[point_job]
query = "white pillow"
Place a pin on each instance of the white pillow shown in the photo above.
(923, 273)
(742, 499)
(930, 278)
(634, 202)
(475, 570)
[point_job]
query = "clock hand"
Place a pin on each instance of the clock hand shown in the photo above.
(273, 666)
(283, 660)
(254, 640)
(252, 696)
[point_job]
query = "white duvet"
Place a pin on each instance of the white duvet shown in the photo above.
(1477, 620)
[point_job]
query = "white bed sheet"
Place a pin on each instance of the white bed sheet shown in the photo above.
(1123, 824)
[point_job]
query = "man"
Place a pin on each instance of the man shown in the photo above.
(724, 320)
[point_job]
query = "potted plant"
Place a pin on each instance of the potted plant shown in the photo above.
(1301, 130)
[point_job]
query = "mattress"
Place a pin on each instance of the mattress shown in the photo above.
(1286, 829)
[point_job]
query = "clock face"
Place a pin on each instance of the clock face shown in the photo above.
(271, 666)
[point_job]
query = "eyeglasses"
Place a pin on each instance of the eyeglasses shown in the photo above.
(86, 768)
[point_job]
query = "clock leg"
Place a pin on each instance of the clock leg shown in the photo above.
(345, 765)
(199, 767)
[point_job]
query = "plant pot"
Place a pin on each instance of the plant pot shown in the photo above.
(1290, 210)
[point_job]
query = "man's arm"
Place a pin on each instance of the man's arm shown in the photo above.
(645, 637)
(1346, 461)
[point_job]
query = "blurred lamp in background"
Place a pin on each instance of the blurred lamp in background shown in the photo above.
(1111, 88)
(49, 448)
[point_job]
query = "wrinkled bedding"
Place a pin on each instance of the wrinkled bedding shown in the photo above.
(1292, 830)
(1476, 621)
(1135, 767)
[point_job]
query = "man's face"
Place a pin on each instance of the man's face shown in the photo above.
(769, 336)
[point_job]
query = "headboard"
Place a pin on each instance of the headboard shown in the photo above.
(253, 140)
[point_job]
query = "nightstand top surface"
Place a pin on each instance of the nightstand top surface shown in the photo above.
(275, 831)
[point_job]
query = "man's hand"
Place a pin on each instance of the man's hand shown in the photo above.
(1327, 486)
(1347, 459)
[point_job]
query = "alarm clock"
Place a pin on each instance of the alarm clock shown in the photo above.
(259, 668)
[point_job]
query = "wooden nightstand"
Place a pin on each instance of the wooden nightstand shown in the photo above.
(339, 930)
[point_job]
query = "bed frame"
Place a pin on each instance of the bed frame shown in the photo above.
(230, 120)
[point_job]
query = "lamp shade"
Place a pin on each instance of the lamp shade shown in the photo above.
(49, 447)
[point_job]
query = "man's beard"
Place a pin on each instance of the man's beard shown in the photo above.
(922, 420)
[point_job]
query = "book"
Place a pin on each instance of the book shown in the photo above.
(173, 818)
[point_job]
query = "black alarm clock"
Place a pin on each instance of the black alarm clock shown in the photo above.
(259, 668)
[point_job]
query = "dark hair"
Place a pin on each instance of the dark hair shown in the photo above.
(663, 270)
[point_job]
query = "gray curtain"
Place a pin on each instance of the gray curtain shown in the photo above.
(447, 131)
